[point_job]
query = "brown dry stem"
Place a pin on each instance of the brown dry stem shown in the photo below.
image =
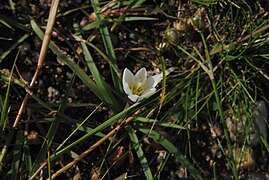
(42, 56)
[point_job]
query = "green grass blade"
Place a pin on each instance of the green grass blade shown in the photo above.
(140, 154)
(1, 99)
(5, 149)
(99, 51)
(17, 153)
(4, 108)
(163, 81)
(81, 8)
(105, 89)
(27, 157)
(163, 124)
(6, 24)
(80, 125)
(93, 25)
(9, 50)
(172, 149)
(15, 24)
(108, 46)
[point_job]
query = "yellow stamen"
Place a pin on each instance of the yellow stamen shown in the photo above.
(137, 88)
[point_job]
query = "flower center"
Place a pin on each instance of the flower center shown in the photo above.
(137, 88)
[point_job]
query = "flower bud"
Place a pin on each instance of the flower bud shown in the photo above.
(198, 23)
(172, 36)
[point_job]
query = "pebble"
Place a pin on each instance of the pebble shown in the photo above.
(52, 94)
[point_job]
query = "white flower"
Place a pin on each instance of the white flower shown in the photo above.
(139, 86)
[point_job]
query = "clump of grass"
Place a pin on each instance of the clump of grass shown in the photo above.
(222, 73)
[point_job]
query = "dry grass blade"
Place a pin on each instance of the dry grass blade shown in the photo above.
(43, 52)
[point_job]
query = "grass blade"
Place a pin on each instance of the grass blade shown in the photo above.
(108, 46)
(4, 109)
(163, 124)
(9, 50)
(15, 24)
(172, 149)
(140, 154)
(105, 89)
(80, 125)
(17, 153)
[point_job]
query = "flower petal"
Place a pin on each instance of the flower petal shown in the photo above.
(141, 76)
(133, 97)
(126, 88)
(128, 76)
(126, 79)
(153, 80)
(147, 93)
(150, 82)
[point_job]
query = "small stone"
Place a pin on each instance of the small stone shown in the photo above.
(52, 94)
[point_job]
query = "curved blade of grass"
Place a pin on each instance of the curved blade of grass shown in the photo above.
(172, 149)
(105, 89)
(99, 51)
(1, 99)
(108, 46)
(140, 154)
(83, 76)
(104, 56)
(4, 111)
